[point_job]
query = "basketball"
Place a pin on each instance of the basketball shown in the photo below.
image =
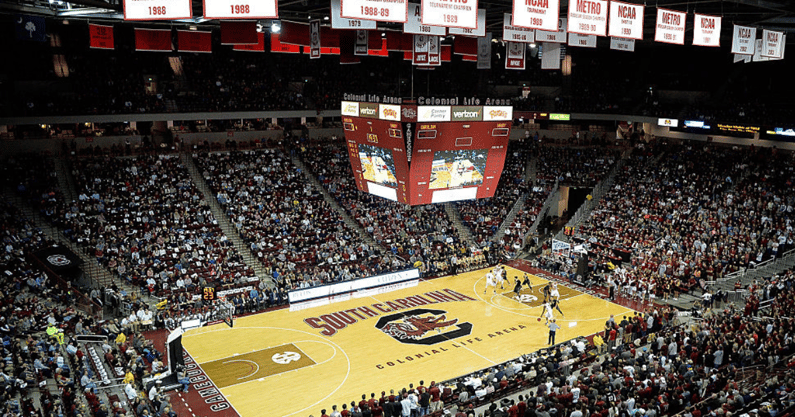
(539, 319)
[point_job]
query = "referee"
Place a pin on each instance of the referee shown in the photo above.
(553, 327)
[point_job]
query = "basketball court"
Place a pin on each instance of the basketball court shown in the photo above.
(299, 362)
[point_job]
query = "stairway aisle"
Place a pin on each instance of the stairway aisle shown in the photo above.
(458, 223)
(223, 220)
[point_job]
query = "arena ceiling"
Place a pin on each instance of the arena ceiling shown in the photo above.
(767, 14)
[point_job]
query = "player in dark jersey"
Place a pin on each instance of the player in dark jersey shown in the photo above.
(554, 303)
(526, 281)
(546, 291)
(517, 288)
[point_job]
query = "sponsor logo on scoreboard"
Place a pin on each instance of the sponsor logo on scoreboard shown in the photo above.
(497, 113)
(369, 110)
(467, 113)
(409, 114)
(389, 112)
(423, 326)
(433, 114)
(668, 122)
(350, 108)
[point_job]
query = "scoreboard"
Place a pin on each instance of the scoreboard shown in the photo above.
(426, 154)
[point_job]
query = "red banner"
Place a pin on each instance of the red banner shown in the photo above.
(466, 46)
(515, 55)
(191, 41)
(447, 53)
(396, 41)
(257, 47)
(347, 39)
(100, 37)
(238, 33)
(323, 50)
(277, 46)
(294, 33)
(471, 58)
(378, 52)
(158, 40)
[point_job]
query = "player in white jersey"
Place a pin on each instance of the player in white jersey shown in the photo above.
(500, 279)
(490, 282)
(553, 293)
(546, 312)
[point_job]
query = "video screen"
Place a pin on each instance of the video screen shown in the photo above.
(378, 166)
(458, 168)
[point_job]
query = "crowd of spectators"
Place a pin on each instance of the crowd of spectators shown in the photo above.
(146, 221)
(576, 166)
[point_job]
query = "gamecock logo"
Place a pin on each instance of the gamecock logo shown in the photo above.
(422, 327)
(409, 113)
(58, 260)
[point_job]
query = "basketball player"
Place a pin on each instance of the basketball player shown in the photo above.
(546, 291)
(526, 281)
(490, 282)
(517, 288)
(546, 312)
(555, 303)
(553, 293)
(500, 279)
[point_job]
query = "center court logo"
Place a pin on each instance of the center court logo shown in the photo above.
(423, 327)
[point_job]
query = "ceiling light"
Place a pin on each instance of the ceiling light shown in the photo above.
(276, 27)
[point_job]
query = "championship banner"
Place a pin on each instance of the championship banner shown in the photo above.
(759, 45)
(155, 40)
(339, 22)
(347, 40)
(584, 41)
(480, 31)
(453, 14)
(557, 37)
(285, 48)
(238, 33)
(465, 46)
(240, 9)
(192, 41)
(550, 55)
(394, 11)
(447, 53)
(626, 20)
(588, 17)
(536, 14)
(772, 44)
(157, 9)
(484, 52)
(360, 47)
(100, 37)
(257, 47)
(511, 33)
(323, 50)
(379, 52)
(621, 44)
(670, 27)
(743, 38)
(434, 51)
(420, 56)
(515, 55)
(414, 24)
(706, 30)
(314, 39)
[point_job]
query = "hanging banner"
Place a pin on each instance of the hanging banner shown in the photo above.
(156, 40)
(393, 11)
(480, 31)
(100, 37)
(157, 9)
(285, 48)
(360, 47)
(743, 38)
(452, 14)
(557, 37)
(414, 24)
(742, 58)
(536, 14)
(241, 9)
(30, 28)
(512, 33)
(670, 27)
(339, 22)
(515, 55)
(192, 41)
(420, 50)
(621, 44)
(346, 42)
(257, 47)
(484, 52)
(314, 39)
(434, 51)
(238, 33)
(584, 41)
(550, 55)
(379, 52)
(626, 20)
(706, 30)
(588, 17)
(772, 44)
